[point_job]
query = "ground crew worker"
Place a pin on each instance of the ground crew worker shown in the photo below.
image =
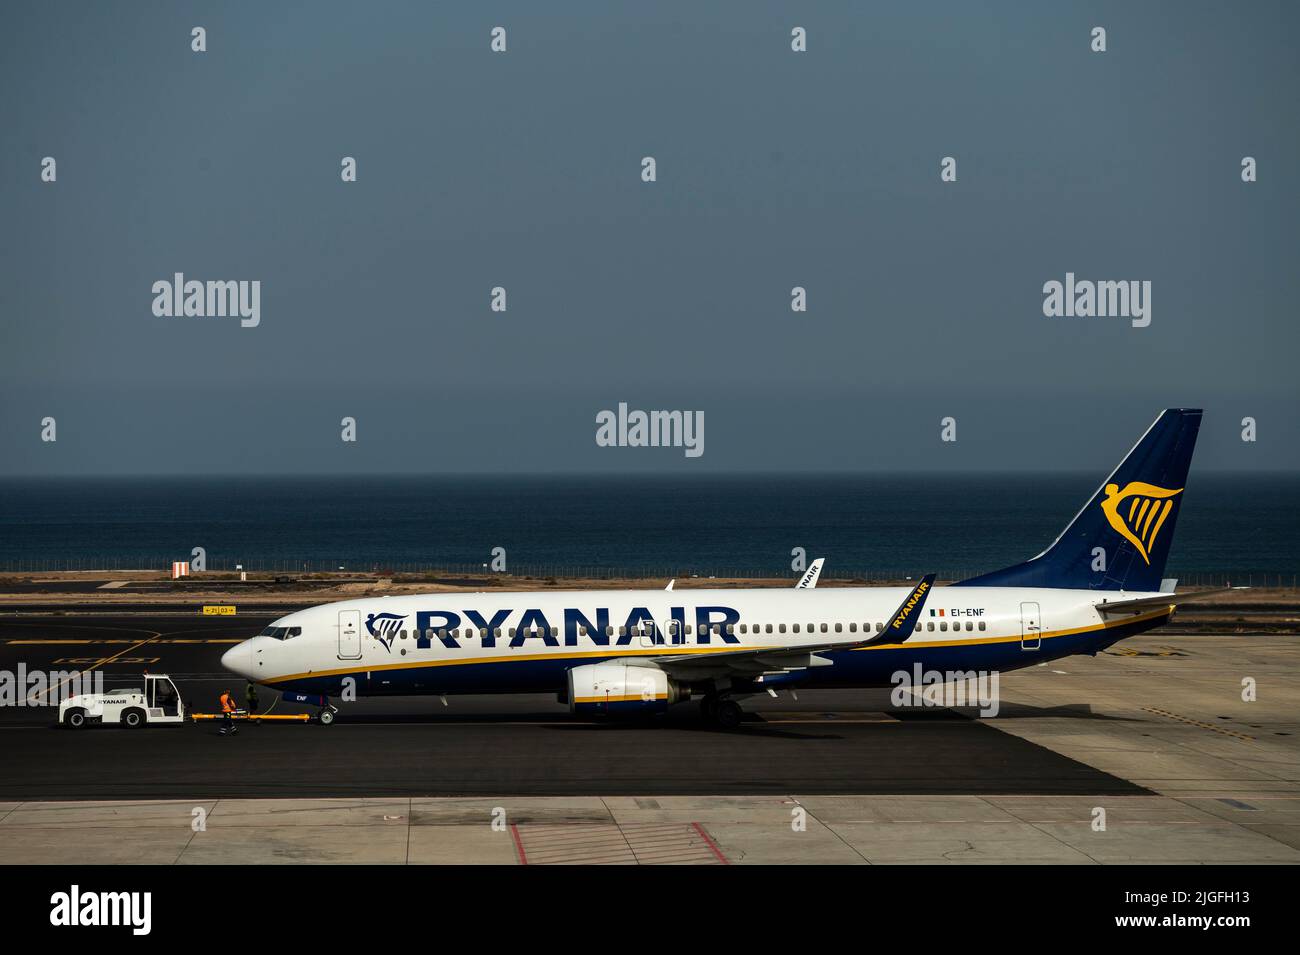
(250, 695)
(227, 708)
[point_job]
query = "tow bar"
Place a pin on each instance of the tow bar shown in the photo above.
(243, 716)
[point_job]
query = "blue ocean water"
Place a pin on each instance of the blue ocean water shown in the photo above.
(866, 525)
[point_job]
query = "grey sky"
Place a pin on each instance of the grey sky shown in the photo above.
(522, 170)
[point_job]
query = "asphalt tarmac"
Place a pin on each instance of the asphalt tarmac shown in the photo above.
(828, 742)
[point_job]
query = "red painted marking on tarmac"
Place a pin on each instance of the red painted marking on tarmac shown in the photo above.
(710, 843)
(519, 844)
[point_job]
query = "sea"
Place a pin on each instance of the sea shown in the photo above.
(1231, 526)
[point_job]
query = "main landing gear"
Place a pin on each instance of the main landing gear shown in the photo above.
(724, 713)
(326, 716)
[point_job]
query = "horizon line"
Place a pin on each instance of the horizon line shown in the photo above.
(308, 475)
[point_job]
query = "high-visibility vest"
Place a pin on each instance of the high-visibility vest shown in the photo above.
(227, 704)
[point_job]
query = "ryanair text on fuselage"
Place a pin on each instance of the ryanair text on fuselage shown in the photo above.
(533, 624)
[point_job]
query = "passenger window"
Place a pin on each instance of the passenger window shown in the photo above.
(483, 633)
(730, 630)
(742, 628)
(512, 633)
(839, 628)
(796, 628)
(853, 628)
(969, 626)
(823, 628)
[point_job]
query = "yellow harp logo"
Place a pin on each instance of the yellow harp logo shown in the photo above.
(1139, 521)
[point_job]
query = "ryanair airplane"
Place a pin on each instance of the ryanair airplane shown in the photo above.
(640, 651)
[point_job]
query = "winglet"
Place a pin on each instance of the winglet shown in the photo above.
(670, 584)
(809, 580)
(902, 624)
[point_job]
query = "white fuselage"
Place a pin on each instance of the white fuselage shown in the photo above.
(527, 641)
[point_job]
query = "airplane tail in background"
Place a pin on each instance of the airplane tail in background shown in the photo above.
(1120, 540)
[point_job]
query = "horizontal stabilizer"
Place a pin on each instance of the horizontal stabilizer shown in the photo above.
(1159, 600)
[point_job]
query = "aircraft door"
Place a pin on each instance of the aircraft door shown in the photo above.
(671, 630)
(349, 634)
(1031, 626)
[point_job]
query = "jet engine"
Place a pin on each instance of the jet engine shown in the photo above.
(619, 688)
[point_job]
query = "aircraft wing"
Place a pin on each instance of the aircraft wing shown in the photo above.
(754, 660)
(1159, 600)
(809, 580)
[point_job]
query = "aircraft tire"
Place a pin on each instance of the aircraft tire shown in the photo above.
(729, 714)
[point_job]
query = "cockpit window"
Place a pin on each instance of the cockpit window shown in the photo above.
(281, 633)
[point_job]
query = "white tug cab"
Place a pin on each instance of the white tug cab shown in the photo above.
(159, 702)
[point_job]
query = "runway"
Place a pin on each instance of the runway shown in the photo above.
(828, 742)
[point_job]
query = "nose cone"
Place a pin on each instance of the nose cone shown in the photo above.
(239, 659)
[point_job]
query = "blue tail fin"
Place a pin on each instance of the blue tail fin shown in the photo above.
(1120, 540)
